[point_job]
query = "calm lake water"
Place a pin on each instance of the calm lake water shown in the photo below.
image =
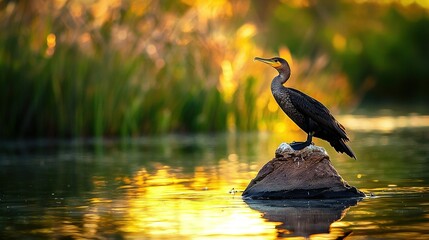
(179, 187)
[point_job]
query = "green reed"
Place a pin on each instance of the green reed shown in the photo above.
(108, 92)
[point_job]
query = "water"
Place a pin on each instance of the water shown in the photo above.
(184, 187)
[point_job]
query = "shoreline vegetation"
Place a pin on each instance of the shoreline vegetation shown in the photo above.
(130, 68)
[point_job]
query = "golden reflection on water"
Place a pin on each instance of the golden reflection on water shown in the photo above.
(383, 123)
(166, 205)
(164, 202)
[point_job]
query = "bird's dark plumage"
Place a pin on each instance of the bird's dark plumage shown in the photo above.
(308, 113)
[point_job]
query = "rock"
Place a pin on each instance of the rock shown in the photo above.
(303, 174)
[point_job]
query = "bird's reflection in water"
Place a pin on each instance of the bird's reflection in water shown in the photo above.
(303, 217)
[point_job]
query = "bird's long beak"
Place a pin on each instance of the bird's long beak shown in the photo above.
(268, 61)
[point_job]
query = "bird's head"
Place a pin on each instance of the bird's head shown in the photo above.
(275, 62)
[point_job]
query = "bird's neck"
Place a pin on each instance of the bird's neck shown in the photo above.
(279, 80)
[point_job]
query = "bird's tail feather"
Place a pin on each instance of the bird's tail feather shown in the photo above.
(340, 146)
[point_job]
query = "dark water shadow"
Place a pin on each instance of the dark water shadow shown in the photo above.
(303, 217)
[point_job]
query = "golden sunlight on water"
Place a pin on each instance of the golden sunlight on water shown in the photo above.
(383, 123)
(163, 202)
(167, 204)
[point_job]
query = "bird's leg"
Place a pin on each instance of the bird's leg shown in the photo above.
(300, 145)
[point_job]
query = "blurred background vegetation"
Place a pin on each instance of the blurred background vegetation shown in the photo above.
(71, 68)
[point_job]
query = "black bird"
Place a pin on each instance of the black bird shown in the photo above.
(308, 113)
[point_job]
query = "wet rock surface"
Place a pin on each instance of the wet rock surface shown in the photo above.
(303, 174)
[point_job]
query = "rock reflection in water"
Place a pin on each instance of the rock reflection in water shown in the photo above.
(303, 217)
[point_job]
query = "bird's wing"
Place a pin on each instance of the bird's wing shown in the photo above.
(316, 111)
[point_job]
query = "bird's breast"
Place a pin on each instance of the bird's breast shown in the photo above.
(282, 97)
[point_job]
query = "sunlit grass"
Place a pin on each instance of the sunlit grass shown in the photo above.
(422, 3)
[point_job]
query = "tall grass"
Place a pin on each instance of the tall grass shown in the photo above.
(126, 68)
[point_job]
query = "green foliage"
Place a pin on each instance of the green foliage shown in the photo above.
(103, 88)
(382, 48)
(396, 57)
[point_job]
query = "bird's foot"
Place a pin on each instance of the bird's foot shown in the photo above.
(299, 145)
